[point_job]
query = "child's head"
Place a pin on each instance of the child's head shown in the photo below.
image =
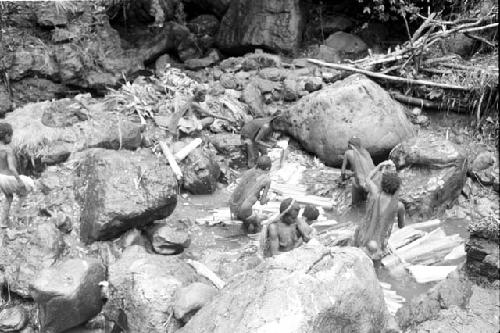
(390, 182)
(6, 132)
(310, 213)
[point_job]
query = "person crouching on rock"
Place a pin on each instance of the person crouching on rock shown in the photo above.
(361, 163)
(254, 134)
(248, 192)
(10, 181)
(382, 209)
(288, 232)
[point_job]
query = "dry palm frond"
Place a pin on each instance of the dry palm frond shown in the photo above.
(147, 98)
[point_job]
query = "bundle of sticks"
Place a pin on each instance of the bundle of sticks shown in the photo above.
(411, 63)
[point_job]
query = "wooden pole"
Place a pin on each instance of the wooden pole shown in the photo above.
(171, 160)
(389, 77)
(181, 154)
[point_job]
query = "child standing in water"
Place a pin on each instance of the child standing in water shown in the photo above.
(10, 181)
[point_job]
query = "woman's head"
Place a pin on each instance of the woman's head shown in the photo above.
(6, 132)
(390, 182)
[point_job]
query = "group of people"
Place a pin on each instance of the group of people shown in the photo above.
(377, 185)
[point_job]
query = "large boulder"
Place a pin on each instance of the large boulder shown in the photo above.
(22, 263)
(347, 45)
(297, 292)
(121, 190)
(68, 294)
(46, 133)
(231, 146)
(324, 120)
(275, 25)
(433, 172)
(142, 290)
(201, 171)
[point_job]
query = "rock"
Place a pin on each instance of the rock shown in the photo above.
(161, 63)
(37, 60)
(230, 145)
(231, 64)
(433, 173)
(169, 237)
(45, 247)
(211, 59)
(41, 142)
(422, 120)
(312, 84)
(190, 299)
(253, 97)
(13, 319)
(142, 290)
(259, 60)
(50, 16)
(347, 45)
(460, 44)
(291, 90)
(374, 33)
(5, 102)
(297, 287)
(324, 120)
(217, 7)
(456, 290)
(276, 25)
(112, 202)
(483, 161)
(483, 256)
(325, 53)
(229, 81)
(328, 25)
(63, 222)
(204, 25)
(200, 171)
(68, 294)
(272, 73)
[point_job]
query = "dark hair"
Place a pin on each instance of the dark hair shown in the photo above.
(5, 129)
(390, 182)
(355, 141)
(310, 212)
(286, 203)
(264, 162)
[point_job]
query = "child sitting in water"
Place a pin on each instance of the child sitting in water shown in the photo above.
(10, 181)
(310, 214)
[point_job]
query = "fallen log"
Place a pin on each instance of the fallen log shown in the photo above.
(171, 160)
(388, 77)
(423, 103)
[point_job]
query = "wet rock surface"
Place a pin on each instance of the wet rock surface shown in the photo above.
(290, 285)
(68, 294)
(323, 121)
(433, 173)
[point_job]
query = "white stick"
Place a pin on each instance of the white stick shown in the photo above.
(171, 160)
(204, 271)
(181, 154)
